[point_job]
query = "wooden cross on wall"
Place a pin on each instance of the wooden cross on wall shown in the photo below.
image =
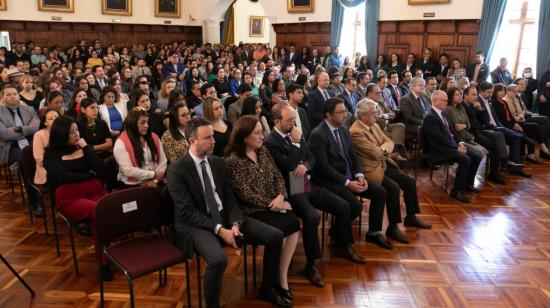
(522, 21)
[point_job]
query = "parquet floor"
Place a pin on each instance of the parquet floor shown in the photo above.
(494, 252)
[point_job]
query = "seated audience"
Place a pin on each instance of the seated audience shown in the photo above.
(478, 71)
(501, 74)
(385, 117)
(235, 109)
(28, 94)
(74, 105)
(279, 93)
(456, 71)
(138, 152)
(143, 100)
(167, 86)
(295, 98)
(93, 130)
(213, 112)
(261, 190)
(317, 99)
(414, 106)
(112, 111)
(173, 140)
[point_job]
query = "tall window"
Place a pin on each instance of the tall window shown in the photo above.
(517, 37)
(352, 38)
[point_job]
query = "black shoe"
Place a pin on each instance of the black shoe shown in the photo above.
(379, 240)
(285, 293)
(458, 195)
(497, 179)
(473, 189)
(396, 234)
(313, 275)
(533, 160)
(347, 252)
(273, 297)
(83, 229)
(38, 211)
(105, 273)
(413, 221)
(545, 155)
(522, 173)
(513, 165)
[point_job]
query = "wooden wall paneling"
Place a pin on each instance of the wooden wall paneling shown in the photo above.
(311, 34)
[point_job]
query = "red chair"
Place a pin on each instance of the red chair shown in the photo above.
(125, 212)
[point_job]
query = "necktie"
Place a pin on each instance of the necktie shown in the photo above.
(397, 92)
(288, 139)
(478, 67)
(446, 124)
(210, 198)
(341, 148)
(352, 100)
(23, 142)
(421, 106)
(325, 95)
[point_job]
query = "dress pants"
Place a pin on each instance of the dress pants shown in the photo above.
(377, 196)
(467, 169)
(514, 140)
(396, 132)
(208, 245)
(494, 142)
(394, 181)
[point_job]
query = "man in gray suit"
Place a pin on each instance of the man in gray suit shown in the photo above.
(18, 123)
(414, 106)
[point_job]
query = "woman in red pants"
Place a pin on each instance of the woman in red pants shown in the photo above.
(72, 166)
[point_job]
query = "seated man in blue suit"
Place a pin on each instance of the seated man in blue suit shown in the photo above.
(174, 68)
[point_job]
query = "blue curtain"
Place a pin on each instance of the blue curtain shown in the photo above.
(337, 17)
(372, 12)
(491, 18)
(543, 56)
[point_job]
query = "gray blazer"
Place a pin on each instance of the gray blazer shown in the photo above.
(8, 136)
(412, 112)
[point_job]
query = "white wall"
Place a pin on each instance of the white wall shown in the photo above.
(277, 10)
(457, 9)
(243, 10)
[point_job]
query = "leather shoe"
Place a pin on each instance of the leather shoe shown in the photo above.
(545, 155)
(533, 160)
(273, 297)
(379, 240)
(473, 189)
(396, 234)
(458, 195)
(348, 253)
(497, 179)
(512, 165)
(313, 275)
(285, 293)
(521, 172)
(38, 211)
(83, 229)
(413, 221)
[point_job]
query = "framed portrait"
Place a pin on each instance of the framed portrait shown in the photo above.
(256, 26)
(116, 7)
(300, 6)
(66, 6)
(167, 8)
(424, 2)
(3, 5)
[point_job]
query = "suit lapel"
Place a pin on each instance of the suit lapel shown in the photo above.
(194, 179)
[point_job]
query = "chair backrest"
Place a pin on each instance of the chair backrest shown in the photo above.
(109, 173)
(29, 164)
(127, 211)
(167, 206)
(421, 141)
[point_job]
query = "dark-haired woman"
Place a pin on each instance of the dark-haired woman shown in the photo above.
(74, 105)
(260, 188)
(72, 166)
(138, 152)
(95, 131)
(253, 106)
(143, 100)
(40, 142)
(221, 83)
(112, 111)
(54, 100)
(173, 140)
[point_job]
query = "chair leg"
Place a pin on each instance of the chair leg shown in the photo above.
(160, 278)
(101, 295)
(131, 287)
(10, 180)
(323, 218)
(56, 235)
(447, 167)
(188, 282)
(254, 265)
(360, 217)
(245, 267)
(44, 218)
(16, 274)
(165, 276)
(21, 190)
(199, 279)
(431, 172)
(75, 261)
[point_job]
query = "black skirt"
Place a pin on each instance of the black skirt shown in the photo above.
(286, 222)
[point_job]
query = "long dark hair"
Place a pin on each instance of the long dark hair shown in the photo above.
(249, 106)
(244, 126)
(451, 94)
(498, 87)
(131, 128)
(60, 131)
(72, 104)
(173, 121)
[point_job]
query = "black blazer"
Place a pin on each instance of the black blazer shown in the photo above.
(481, 76)
(330, 167)
(315, 103)
(184, 184)
(438, 145)
(306, 128)
(393, 93)
(438, 71)
(287, 157)
(482, 115)
(501, 110)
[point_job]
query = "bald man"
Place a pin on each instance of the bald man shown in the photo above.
(316, 100)
(443, 145)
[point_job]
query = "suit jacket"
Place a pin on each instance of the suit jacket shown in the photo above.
(501, 76)
(287, 157)
(185, 186)
(394, 93)
(330, 169)
(438, 145)
(246, 56)
(168, 68)
(295, 57)
(8, 137)
(306, 128)
(427, 68)
(350, 101)
(362, 93)
(481, 76)
(503, 113)
(483, 117)
(373, 148)
(411, 111)
(443, 72)
(315, 103)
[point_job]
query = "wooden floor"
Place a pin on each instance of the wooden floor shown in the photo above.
(494, 252)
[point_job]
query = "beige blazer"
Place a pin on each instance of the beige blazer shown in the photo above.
(373, 148)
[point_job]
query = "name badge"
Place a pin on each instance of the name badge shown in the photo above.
(129, 207)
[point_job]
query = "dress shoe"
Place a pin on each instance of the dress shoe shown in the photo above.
(545, 155)
(473, 189)
(83, 229)
(379, 240)
(285, 293)
(38, 211)
(458, 195)
(511, 164)
(348, 253)
(413, 221)
(521, 172)
(273, 297)
(396, 234)
(105, 273)
(313, 275)
(532, 159)
(497, 179)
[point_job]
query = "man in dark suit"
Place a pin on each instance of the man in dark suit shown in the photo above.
(393, 86)
(441, 145)
(295, 96)
(176, 69)
(350, 96)
(362, 81)
(442, 68)
(414, 106)
(338, 170)
(478, 71)
(502, 74)
(207, 214)
(426, 64)
(316, 100)
(291, 56)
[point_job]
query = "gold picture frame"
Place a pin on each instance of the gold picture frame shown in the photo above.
(116, 7)
(64, 6)
(3, 5)
(256, 26)
(425, 2)
(300, 6)
(168, 8)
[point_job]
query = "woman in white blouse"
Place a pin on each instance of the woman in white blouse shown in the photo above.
(112, 110)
